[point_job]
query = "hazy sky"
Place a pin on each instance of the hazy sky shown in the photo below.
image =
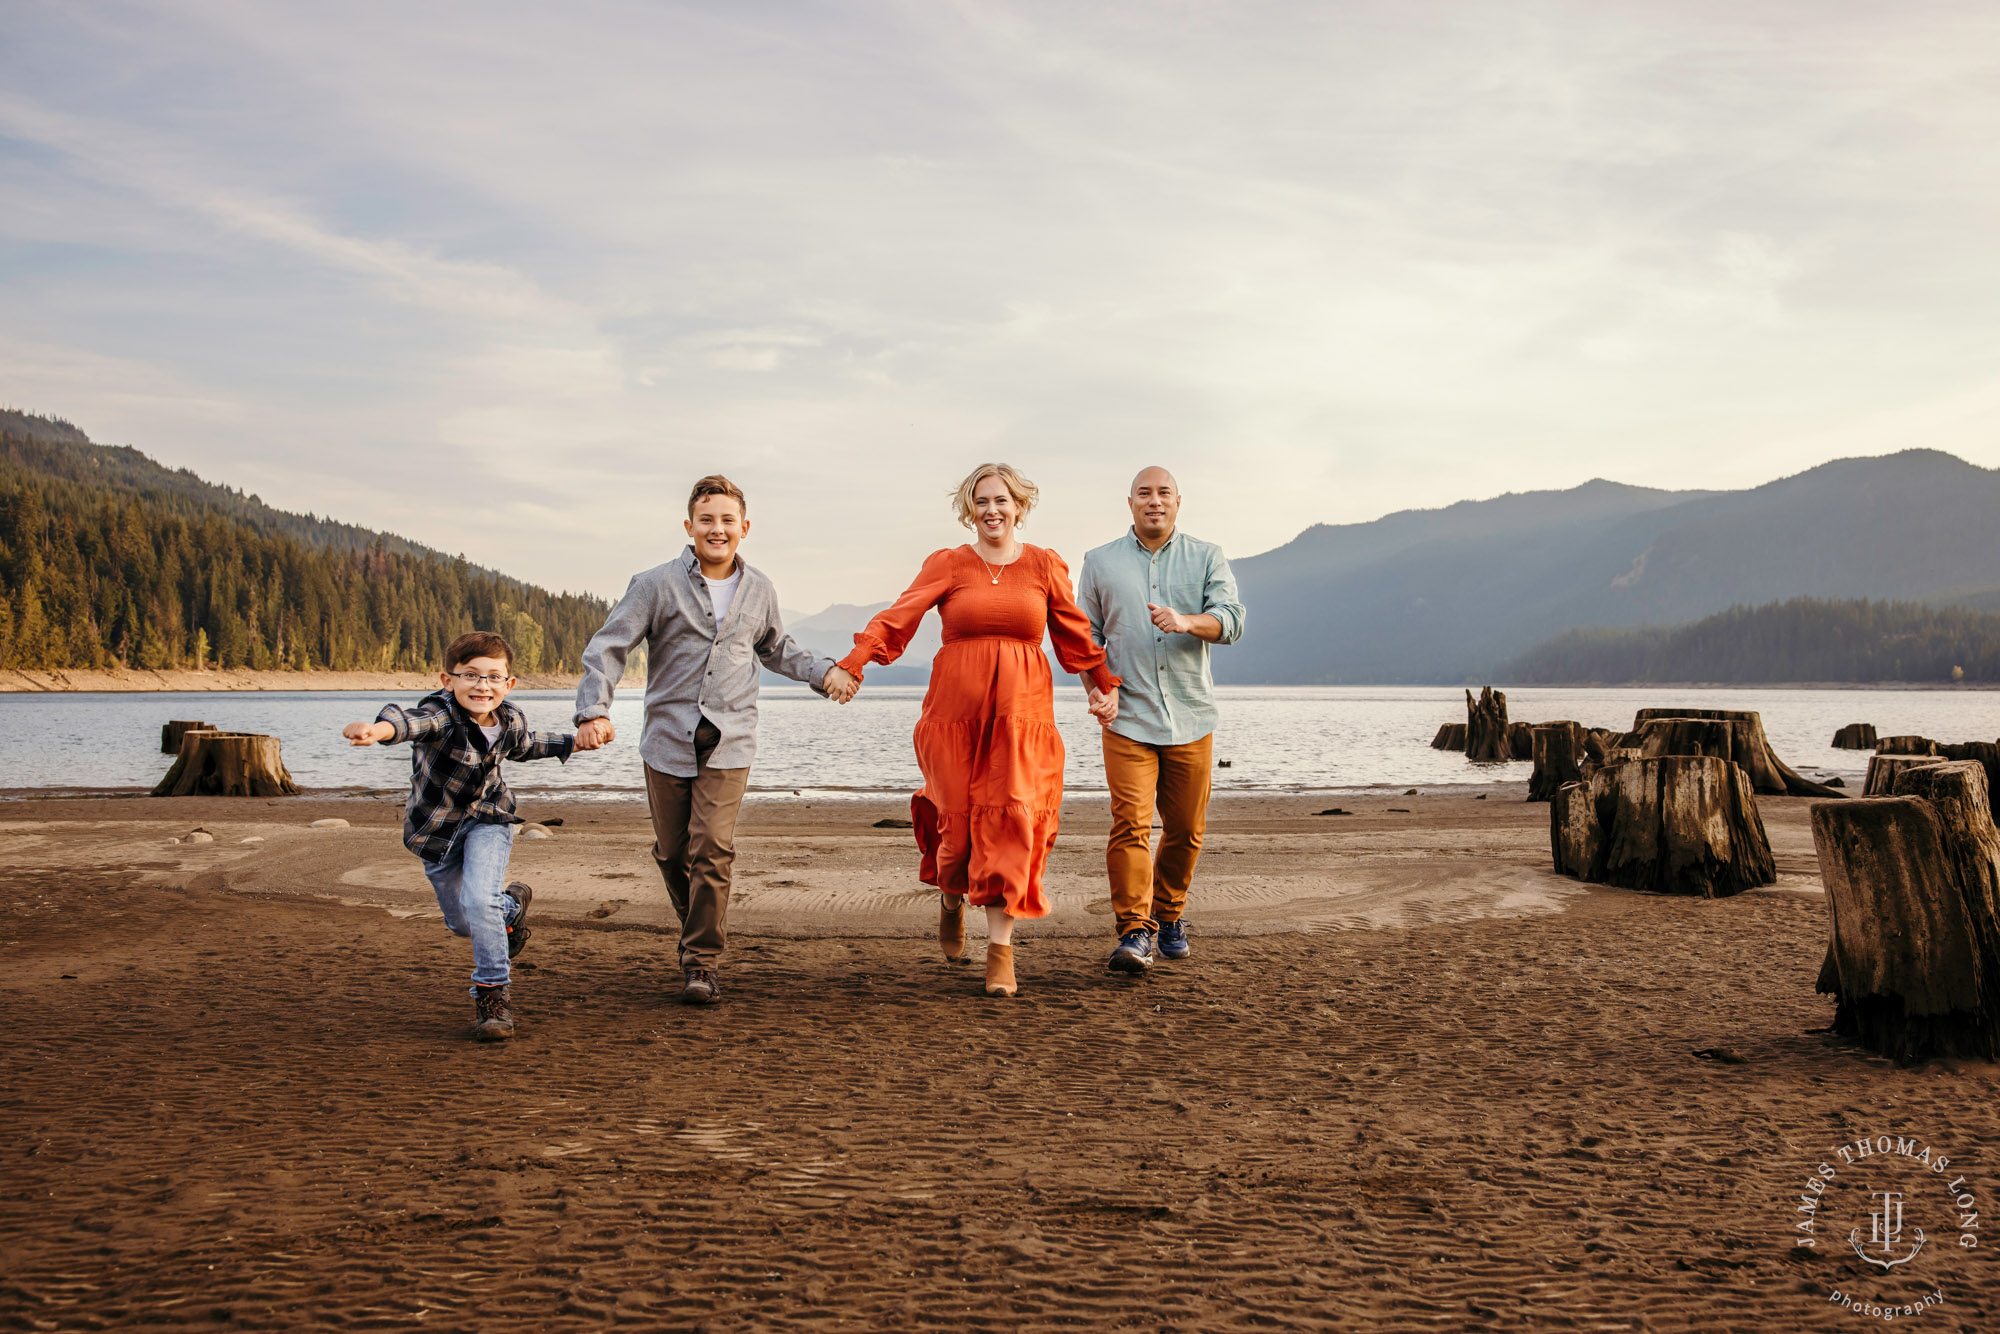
(505, 277)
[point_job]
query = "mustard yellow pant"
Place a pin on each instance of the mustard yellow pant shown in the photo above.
(1149, 889)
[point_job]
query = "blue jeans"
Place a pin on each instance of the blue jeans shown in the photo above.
(471, 885)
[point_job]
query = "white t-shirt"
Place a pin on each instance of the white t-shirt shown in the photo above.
(492, 734)
(722, 592)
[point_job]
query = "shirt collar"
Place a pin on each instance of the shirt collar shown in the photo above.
(1133, 533)
(692, 563)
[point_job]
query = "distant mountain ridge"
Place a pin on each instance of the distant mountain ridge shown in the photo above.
(1804, 639)
(53, 447)
(1452, 595)
(109, 560)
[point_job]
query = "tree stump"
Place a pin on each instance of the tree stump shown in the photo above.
(1882, 771)
(171, 733)
(1451, 736)
(1520, 741)
(1689, 736)
(1906, 745)
(1675, 824)
(1559, 754)
(1913, 888)
(1751, 748)
(1486, 727)
(227, 764)
(1855, 736)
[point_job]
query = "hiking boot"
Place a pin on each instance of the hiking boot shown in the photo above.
(1174, 941)
(702, 987)
(517, 930)
(492, 1018)
(1134, 953)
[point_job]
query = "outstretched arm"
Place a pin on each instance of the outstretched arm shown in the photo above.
(604, 662)
(890, 632)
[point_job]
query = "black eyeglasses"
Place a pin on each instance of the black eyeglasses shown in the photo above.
(472, 680)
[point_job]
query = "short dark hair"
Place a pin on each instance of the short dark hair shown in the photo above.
(718, 485)
(478, 644)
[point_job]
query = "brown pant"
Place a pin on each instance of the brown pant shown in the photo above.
(694, 842)
(1147, 890)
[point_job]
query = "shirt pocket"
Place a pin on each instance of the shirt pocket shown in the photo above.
(1187, 596)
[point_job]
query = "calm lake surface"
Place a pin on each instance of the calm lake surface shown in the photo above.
(1301, 738)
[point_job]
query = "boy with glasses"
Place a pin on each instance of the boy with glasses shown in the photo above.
(460, 817)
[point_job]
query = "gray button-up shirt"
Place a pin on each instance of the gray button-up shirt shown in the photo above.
(1168, 698)
(692, 671)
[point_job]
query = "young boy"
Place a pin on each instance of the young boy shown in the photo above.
(460, 817)
(709, 621)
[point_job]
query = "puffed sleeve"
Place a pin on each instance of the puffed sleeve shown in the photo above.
(1069, 629)
(886, 636)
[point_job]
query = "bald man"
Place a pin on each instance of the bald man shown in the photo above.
(1157, 599)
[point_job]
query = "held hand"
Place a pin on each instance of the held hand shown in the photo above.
(595, 734)
(840, 685)
(1169, 620)
(1104, 705)
(366, 734)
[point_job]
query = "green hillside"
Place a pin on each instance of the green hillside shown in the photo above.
(1805, 639)
(107, 558)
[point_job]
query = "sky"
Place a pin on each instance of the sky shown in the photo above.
(506, 278)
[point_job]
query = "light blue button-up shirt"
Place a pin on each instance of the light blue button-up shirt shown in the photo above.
(1168, 698)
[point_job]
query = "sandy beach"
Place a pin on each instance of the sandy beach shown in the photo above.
(1410, 1080)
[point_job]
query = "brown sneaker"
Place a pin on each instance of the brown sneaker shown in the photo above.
(492, 1018)
(1000, 970)
(702, 987)
(951, 926)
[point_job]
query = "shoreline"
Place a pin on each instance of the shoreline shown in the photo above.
(138, 680)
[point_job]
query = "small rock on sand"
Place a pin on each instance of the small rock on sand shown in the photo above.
(199, 836)
(535, 831)
(893, 823)
(327, 824)
(254, 838)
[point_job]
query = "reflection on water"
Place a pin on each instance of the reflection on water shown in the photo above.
(1274, 738)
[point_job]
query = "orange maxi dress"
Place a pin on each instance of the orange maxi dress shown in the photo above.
(987, 742)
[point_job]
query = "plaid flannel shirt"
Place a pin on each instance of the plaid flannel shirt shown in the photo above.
(454, 775)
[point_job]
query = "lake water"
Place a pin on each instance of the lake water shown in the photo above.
(1303, 738)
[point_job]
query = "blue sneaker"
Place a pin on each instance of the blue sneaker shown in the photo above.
(1173, 940)
(1134, 953)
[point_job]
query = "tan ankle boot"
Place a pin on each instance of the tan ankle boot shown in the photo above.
(1000, 970)
(951, 926)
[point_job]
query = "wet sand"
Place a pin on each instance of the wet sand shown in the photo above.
(1410, 1080)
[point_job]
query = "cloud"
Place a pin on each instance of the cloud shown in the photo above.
(1322, 260)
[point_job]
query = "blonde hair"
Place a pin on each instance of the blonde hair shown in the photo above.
(1025, 492)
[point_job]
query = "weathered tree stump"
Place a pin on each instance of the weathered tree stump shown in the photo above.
(1855, 736)
(1486, 727)
(171, 733)
(1559, 754)
(1520, 741)
(1675, 824)
(1986, 755)
(1913, 887)
(1689, 736)
(1882, 771)
(1451, 736)
(1905, 745)
(1751, 748)
(227, 764)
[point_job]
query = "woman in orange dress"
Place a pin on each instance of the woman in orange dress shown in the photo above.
(987, 741)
